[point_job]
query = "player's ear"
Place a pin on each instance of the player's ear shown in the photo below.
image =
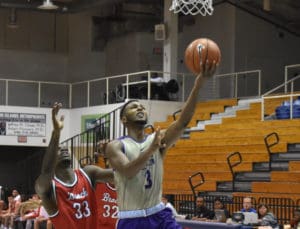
(124, 119)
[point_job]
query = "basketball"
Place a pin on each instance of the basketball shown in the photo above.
(201, 50)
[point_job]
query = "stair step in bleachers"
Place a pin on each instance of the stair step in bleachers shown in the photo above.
(245, 133)
(214, 157)
(205, 167)
(183, 186)
(253, 176)
(211, 176)
(276, 166)
(286, 176)
(293, 156)
(258, 195)
(203, 111)
(294, 147)
(233, 141)
(294, 166)
(226, 186)
(281, 147)
(256, 124)
(276, 187)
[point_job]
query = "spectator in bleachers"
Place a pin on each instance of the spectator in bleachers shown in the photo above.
(3, 211)
(295, 221)
(14, 202)
(29, 210)
(247, 205)
(7, 223)
(265, 217)
(202, 213)
(42, 219)
(219, 205)
(16, 196)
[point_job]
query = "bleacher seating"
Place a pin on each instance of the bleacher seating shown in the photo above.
(284, 110)
(206, 151)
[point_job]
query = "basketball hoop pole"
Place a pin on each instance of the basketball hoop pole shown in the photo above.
(192, 7)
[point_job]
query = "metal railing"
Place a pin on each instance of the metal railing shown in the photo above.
(233, 160)
(239, 82)
(271, 140)
(84, 145)
(288, 86)
(115, 89)
(291, 96)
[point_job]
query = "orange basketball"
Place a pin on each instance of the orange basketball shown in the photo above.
(201, 50)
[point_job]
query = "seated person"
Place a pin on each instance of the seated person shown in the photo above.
(202, 213)
(219, 205)
(247, 205)
(29, 210)
(42, 219)
(296, 219)
(12, 212)
(265, 217)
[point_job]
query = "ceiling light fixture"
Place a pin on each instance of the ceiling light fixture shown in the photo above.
(48, 5)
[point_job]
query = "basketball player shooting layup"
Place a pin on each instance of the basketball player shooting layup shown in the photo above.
(68, 195)
(138, 162)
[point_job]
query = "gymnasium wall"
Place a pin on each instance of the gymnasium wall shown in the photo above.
(73, 119)
(36, 50)
(261, 45)
(83, 62)
(50, 48)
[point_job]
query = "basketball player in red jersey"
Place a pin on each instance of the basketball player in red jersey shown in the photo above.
(68, 195)
(106, 197)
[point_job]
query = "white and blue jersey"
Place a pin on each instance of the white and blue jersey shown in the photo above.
(144, 190)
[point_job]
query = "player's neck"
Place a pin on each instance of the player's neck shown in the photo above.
(66, 175)
(136, 133)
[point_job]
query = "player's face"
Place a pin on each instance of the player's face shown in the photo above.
(64, 157)
(136, 112)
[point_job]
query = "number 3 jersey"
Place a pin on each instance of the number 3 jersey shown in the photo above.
(76, 203)
(145, 188)
(106, 197)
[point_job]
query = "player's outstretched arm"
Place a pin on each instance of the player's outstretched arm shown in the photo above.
(175, 130)
(120, 162)
(97, 174)
(43, 184)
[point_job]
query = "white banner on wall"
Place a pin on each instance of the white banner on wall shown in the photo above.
(22, 124)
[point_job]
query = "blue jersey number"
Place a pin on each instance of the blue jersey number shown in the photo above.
(148, 178)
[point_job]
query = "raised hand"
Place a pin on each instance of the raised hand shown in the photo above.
(58, 124)
(208, 69)
(157, 141)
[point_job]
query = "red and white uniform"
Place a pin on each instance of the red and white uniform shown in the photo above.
(106, 197)
(76, 203)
